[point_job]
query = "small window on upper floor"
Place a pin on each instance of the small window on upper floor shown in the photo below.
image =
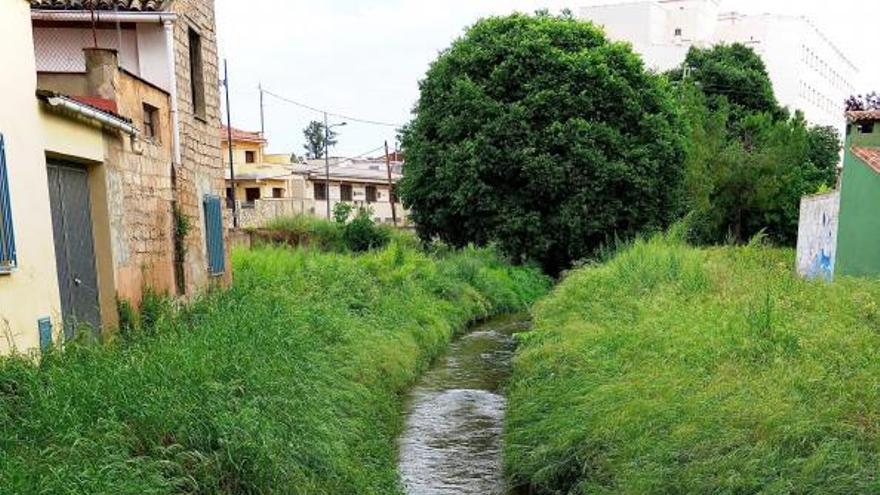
(866, 128)
(196, 74)
(250, 156)
(277, 192)
(151, 122)
(678, 31)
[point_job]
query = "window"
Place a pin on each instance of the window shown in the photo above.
(372, 194)
(251, 194)
(151, 122)
(346, 192)
(196, 74)
(866, 128)
(320, 191)
(8, 260)
(250, 156)
(214, 235)
(678, 31)
(277, 192)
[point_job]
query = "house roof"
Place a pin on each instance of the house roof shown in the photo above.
(110, 5)
(861, 115)
(241, 136)
(103, 104)
(870, 156)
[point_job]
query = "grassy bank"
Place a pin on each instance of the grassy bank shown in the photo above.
(290, 382)
(676, 370)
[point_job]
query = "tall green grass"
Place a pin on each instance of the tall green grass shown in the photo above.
(290, 382)
(676, 370)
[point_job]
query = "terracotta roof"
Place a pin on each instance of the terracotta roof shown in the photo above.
(870, 156)
(858, 116)
(103, 104)
(241, 136)
(121, 5)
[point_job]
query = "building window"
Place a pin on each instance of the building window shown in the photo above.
(346, 192)
(8, 260)
(250, 156)
(251, 194)
(277, 192)
(151, 122)
(320, 191)
(372, 194)
(196, 74)
(866, 128)
(678, 31)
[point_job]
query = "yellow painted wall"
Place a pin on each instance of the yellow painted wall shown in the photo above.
(31, 292)
(64, 137)
(238, 152)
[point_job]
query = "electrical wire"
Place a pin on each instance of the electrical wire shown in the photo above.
(333, 114)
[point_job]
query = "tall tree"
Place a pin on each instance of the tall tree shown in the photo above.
(315, 135)
(538, 134)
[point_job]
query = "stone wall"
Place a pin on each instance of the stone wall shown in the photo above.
(201, 168)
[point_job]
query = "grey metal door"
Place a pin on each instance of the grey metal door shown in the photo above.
(74, 246)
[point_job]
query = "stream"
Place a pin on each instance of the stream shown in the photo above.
(451, 442)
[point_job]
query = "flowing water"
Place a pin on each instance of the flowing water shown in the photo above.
(452, 438)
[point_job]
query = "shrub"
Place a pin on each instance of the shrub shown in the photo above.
(538, 134)
(361, 233)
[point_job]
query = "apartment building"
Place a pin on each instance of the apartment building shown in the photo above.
(809, 72)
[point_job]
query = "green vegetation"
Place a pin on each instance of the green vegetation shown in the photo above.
(540, 135)
(289, 382)
(357, 235)
(748, 161)
(677, 370)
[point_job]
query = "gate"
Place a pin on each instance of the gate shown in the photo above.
(74, 246)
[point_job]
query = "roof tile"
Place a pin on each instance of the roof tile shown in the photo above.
(120, 5)
(870, 156)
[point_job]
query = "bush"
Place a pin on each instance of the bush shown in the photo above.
(540, 135)
(289, 382)
(361, 233)
(676, 370)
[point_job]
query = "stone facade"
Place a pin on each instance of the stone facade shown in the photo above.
(201, 168)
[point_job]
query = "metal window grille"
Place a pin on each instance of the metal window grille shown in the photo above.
(214, 234)
(8, 258)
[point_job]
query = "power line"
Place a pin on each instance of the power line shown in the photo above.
(338, 115)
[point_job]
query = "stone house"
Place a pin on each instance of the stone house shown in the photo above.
(127, 137)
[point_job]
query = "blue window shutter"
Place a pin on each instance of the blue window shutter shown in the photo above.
(214, 234)
(8, 259)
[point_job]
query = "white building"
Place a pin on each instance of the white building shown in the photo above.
(808, 71)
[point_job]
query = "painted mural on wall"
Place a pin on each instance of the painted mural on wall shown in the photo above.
(817, 236)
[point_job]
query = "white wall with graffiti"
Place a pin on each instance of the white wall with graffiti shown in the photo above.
(817, 236)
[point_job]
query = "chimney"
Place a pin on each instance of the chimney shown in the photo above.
(102, 68)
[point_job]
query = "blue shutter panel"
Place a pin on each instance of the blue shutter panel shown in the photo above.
(214, 234)
(8, 259)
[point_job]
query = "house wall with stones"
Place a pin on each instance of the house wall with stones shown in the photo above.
(201, 168)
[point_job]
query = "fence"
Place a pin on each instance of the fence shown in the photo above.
(255, 214)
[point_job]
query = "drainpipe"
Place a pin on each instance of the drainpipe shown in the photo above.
(91, 113)
(172, 90)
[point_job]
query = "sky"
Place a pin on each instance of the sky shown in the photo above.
(363, 59)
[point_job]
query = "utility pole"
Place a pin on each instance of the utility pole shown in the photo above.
(327, 161)
(229, 144)
(262, 113)
(390, 186)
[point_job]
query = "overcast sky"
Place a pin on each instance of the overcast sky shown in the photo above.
(364, 58)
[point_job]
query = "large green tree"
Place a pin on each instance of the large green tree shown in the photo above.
(540, 135)
(316, 135)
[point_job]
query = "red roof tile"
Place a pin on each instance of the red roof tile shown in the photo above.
(858, 116)
(102, 104)
(241, 136)
(870, 156)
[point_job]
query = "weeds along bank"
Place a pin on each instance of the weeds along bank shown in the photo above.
(676, 370)
(290, 382)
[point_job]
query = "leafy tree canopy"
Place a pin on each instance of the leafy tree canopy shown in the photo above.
(315, 135)
(540, 135)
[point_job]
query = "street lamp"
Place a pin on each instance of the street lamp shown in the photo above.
(327, 128)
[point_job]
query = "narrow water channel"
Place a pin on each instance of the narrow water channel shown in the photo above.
(452, 438)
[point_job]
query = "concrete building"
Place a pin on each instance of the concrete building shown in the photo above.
(272, 186)
(808, 71)
(151, 63)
